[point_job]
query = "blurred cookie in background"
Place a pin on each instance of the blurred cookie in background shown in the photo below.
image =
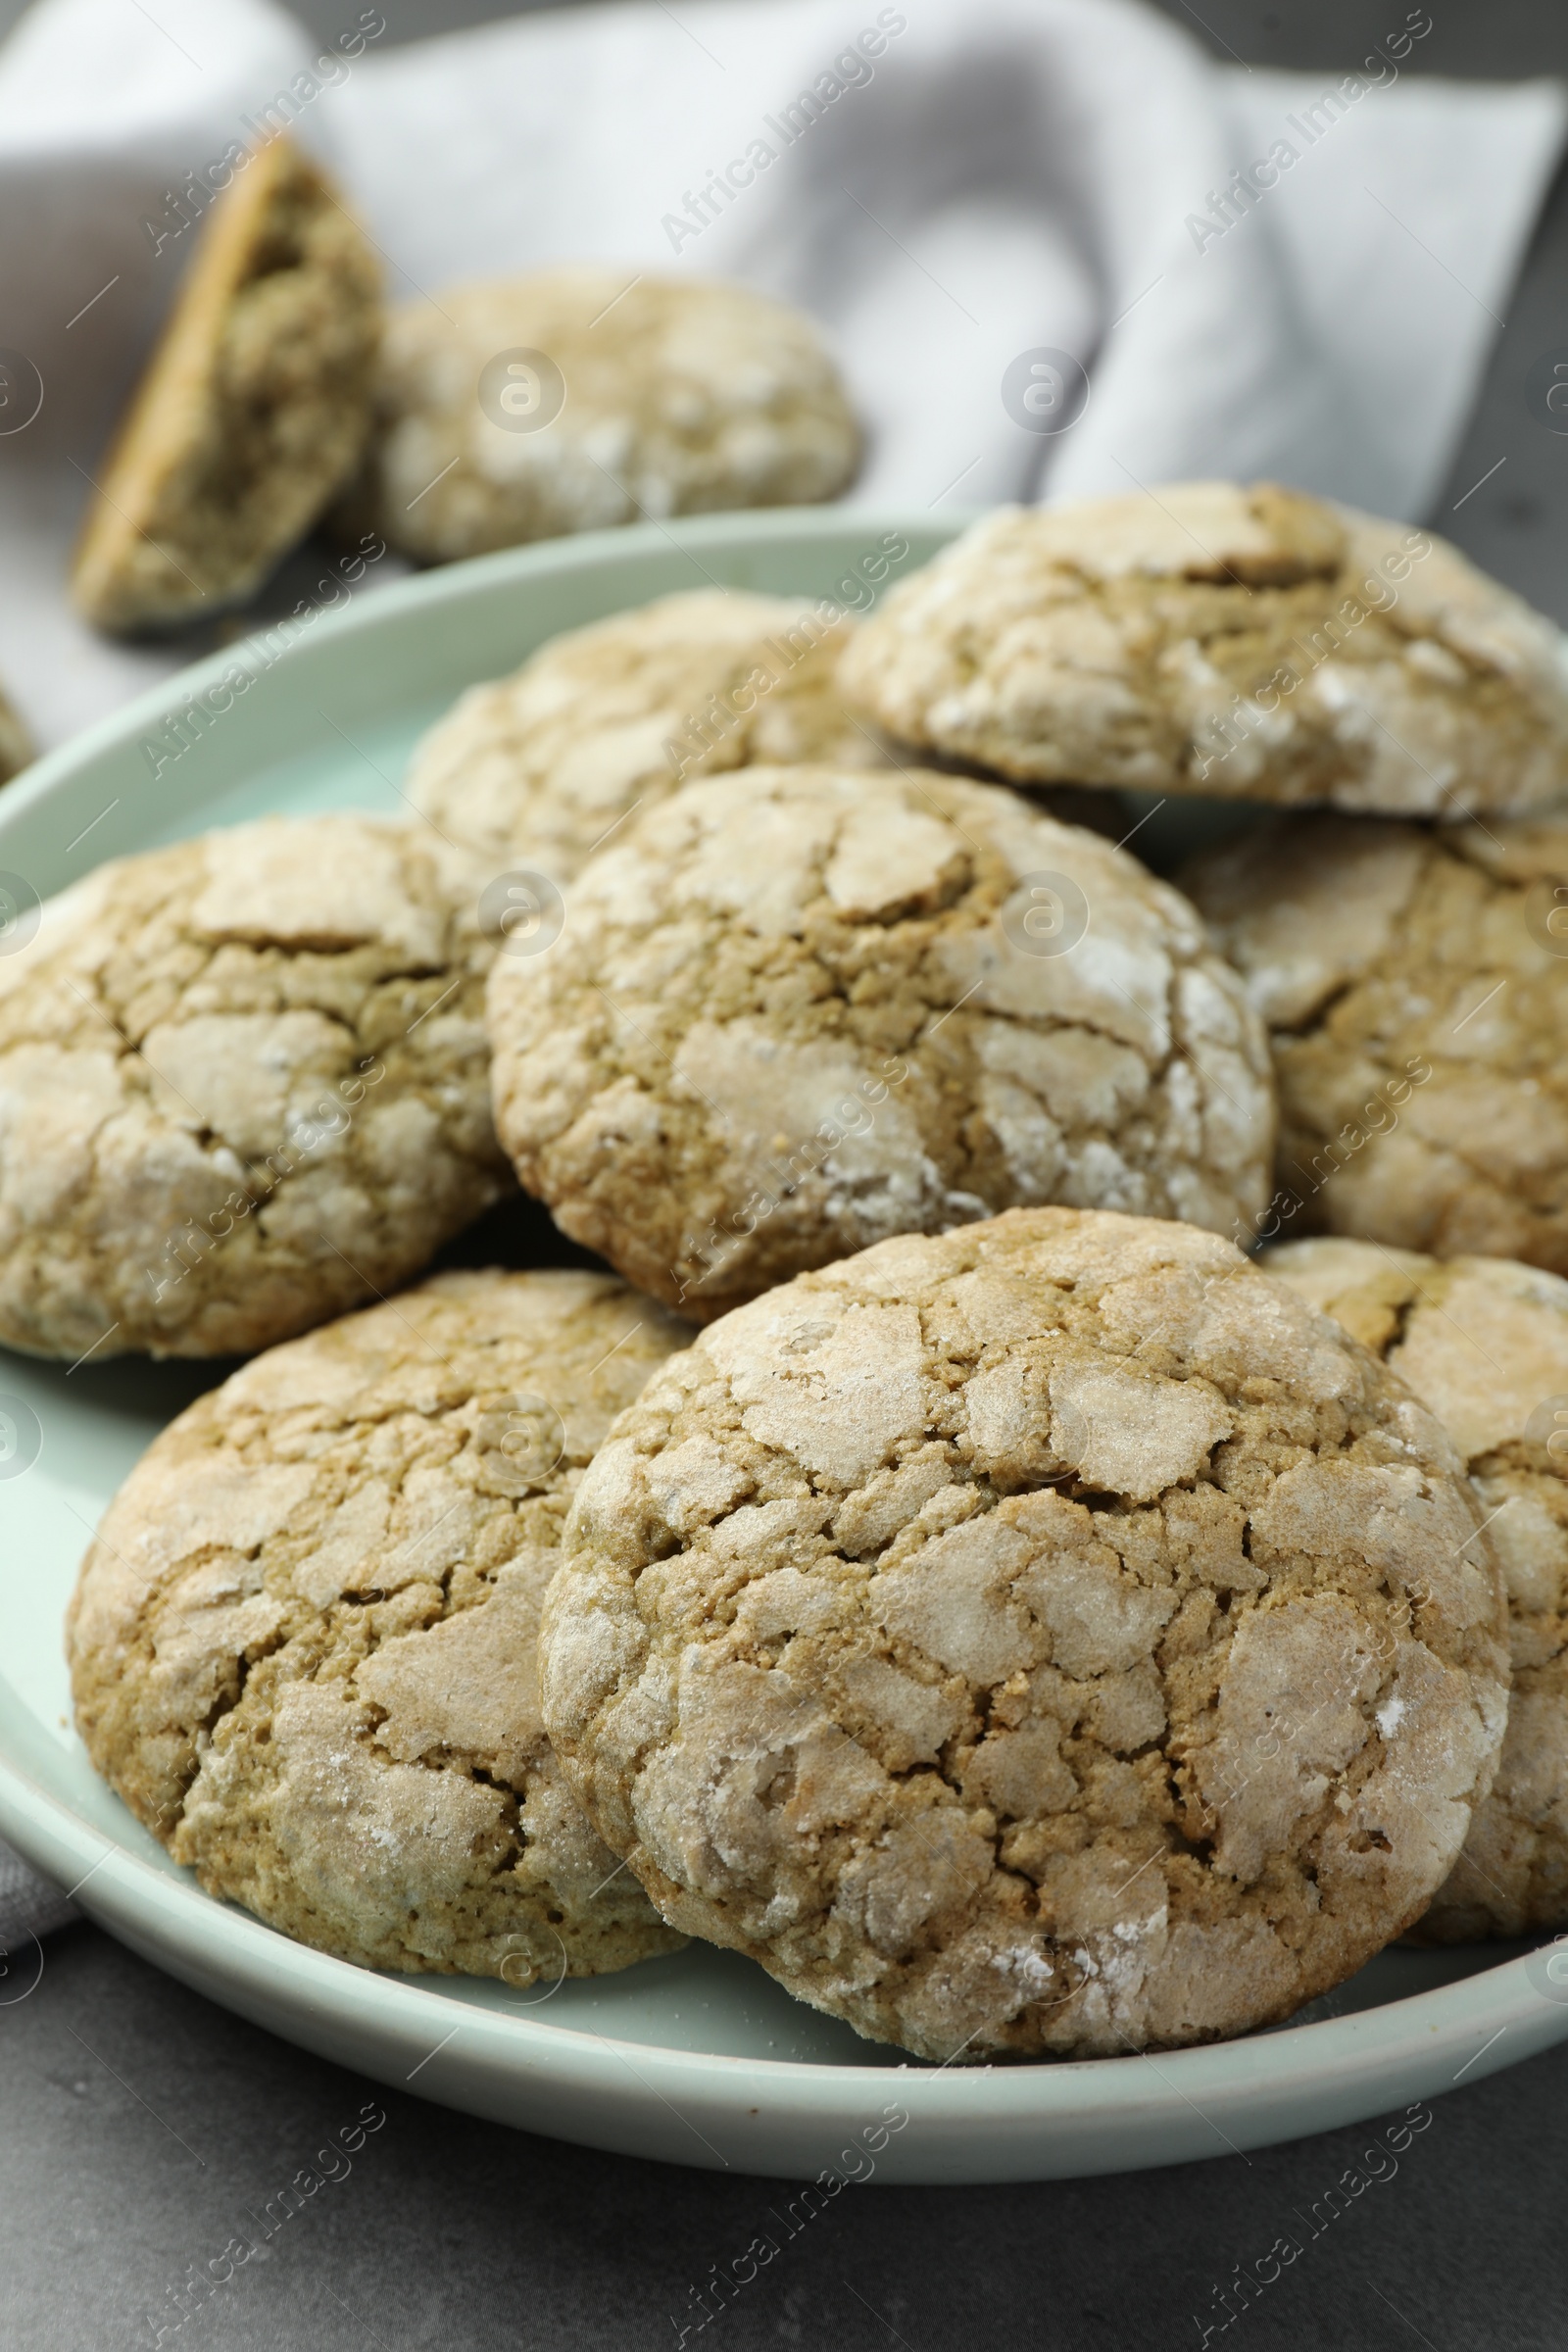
(253, 410)
(542, 766)
(1242, 643)
(16, 743)
(519, 409)
(1483, 1343)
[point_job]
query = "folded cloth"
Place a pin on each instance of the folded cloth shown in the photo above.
(1260, 273)
(1059, 251)
(29, 1907)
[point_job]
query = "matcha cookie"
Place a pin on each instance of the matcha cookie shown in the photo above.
(16, 743)
(537, 770)
(519, 409)
(1054, 1638)
(1254, 644)
(303, 1645)
(795, 1011)
(1415, 982)
(243, 1085)
(253, 410)
(1484, 1342)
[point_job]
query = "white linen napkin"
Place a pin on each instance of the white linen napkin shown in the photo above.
(29, 1907)
(989, 203)
(953, 187)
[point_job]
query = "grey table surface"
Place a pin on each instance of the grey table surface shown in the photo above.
(140, 2125)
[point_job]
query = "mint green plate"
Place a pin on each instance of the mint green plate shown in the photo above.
(698, 2058)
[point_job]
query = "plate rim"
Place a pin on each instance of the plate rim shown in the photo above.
(1232, 2082)
(436, 585)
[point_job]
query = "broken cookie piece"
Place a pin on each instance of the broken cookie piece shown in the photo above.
(16, 743)
(253, 411)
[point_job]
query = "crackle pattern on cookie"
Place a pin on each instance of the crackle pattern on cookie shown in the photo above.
(243, 1085)
(1484, 1342)
(680, 398)
(794, 1013)
(1414, 983)
(303, 1643)
(1048, 1638)
(253, 412)
(1248, 643)
(537, 770)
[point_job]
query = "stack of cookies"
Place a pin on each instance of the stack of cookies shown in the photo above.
(931, 1553)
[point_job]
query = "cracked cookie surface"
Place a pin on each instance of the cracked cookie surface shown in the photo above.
(1484, 1342)
(796, 1012)
(1053, 1638)
(1248, 643)
(1413, 981)
(303, 1643)
(253, 412)
(538, 768)
(243, 1085)
(679, 397)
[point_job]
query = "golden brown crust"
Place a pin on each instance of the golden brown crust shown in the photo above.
(254, 409)
(16, 743)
